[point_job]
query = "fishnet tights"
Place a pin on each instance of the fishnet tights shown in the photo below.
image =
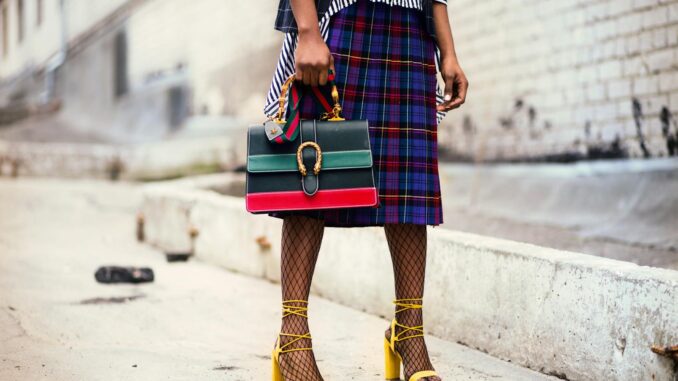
(407, 244)
(301, 239)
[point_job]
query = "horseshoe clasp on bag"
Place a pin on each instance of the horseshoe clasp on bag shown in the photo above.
(318, 162)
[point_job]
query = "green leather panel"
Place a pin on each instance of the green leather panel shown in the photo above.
(288, 162)
(290, 181)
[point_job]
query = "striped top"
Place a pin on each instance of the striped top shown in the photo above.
(285, 67)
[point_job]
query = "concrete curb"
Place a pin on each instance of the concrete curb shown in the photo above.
(165, 159)
(571, 315)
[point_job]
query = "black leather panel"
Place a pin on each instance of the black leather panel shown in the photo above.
(291, 181)
(332, 136)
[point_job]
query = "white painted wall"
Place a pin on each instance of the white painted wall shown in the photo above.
(42, 41)
(206, 36)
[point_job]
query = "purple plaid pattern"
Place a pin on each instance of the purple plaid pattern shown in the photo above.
(386, 73)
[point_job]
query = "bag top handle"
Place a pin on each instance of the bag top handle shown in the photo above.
(333, 114)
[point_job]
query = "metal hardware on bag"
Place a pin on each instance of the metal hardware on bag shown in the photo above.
(335, 115)
(281, 101)
(336, 110)
(318, 162)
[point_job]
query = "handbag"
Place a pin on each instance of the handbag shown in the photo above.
(312, 164)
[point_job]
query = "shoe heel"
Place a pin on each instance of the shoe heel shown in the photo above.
(277, 376)
(391, 363)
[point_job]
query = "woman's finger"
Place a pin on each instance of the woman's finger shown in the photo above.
(332, 64)
(456, 88)
(307, 77)
(315, 75)
(462, 88)
(322, 79)
(448, 96)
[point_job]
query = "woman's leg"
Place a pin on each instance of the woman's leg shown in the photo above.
(301, 239)
(407, 244)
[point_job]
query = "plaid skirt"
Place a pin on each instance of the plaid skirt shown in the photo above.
(386, 73)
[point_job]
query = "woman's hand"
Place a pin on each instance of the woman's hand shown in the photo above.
(456, 84)
(312, 59)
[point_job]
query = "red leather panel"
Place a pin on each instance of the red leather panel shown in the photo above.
(323, 199)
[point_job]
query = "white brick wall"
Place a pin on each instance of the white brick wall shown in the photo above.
(556, 77)
(548, 77)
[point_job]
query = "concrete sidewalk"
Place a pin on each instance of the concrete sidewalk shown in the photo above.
(196, 322)
(620, 209)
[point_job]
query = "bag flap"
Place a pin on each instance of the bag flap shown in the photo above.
(344, 145)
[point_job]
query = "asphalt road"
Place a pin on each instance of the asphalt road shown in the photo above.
(195, 322)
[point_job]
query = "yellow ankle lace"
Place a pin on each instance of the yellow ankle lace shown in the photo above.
(294, 310)
(407, 304)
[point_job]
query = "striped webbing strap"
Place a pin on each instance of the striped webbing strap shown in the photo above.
(290, 127)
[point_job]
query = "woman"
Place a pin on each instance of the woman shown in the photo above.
(384, 55)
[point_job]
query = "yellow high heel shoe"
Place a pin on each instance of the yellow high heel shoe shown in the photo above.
(275, 356)
(392, 358)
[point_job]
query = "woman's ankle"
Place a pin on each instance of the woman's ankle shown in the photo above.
(411, 317)
(294, 324)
